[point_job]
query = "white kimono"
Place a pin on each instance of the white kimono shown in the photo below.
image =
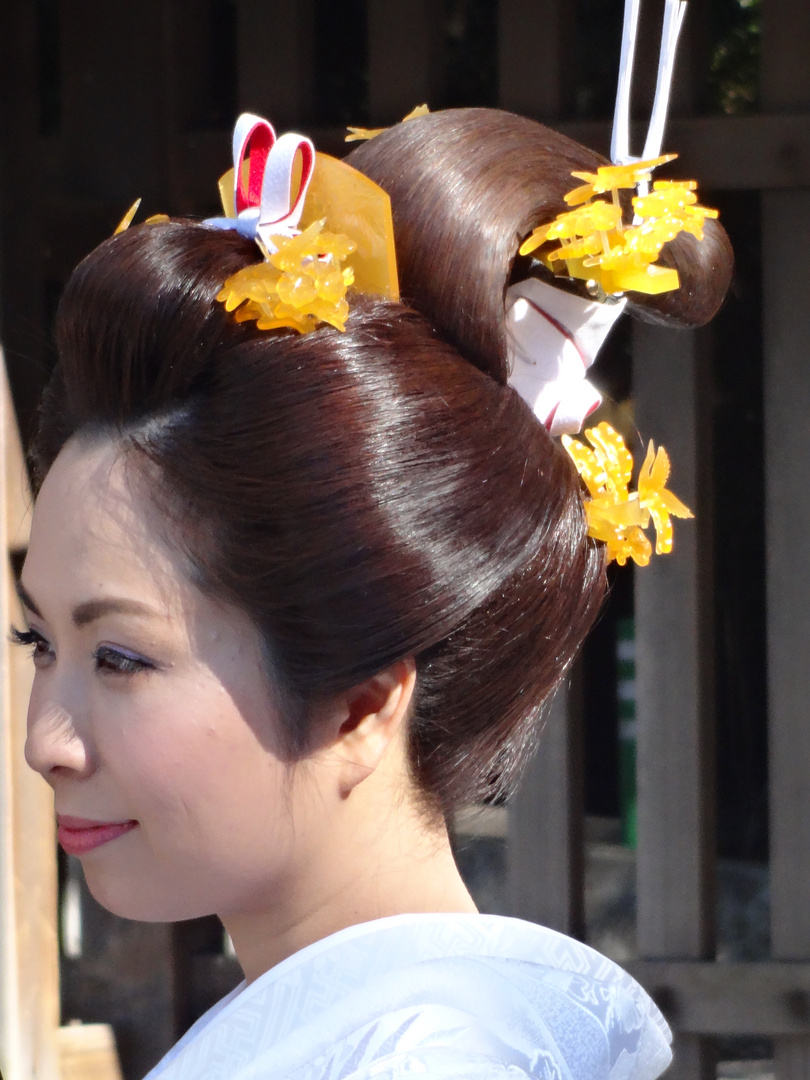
(433, 996)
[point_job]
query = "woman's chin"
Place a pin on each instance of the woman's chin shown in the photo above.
(140, 902)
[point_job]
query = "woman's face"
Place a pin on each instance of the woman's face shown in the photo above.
(151, 713)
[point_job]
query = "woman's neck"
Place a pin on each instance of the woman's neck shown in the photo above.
(389, 861)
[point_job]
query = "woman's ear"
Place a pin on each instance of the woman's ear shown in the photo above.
(374, 717)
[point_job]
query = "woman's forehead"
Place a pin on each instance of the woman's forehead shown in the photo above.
(94, 529)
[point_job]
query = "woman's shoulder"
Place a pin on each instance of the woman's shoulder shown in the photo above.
(437, 996)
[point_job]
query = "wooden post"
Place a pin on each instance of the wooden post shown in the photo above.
(676, 847)
(22, 312)
(786, 228)
(785, 85)
(545, 862)
(29, 971)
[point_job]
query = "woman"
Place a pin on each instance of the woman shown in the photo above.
(294, 597)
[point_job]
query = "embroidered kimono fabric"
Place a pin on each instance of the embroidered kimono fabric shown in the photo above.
(433, 996)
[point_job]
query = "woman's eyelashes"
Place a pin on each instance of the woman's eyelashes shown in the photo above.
(118, 661)
(108, 659)
(41, 650)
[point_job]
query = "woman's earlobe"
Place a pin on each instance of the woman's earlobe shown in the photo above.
(376, 715)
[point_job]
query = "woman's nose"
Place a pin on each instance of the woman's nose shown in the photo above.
(54, 743)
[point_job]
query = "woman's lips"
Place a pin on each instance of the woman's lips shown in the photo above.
(78, 835)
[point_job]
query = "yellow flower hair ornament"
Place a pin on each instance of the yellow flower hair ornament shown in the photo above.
(302, 283)
(616, 516)
(595, 244)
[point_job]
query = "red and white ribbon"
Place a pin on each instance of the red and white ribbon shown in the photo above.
(265, 202)
(553, 338)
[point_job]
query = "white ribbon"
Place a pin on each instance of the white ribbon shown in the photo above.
(265, 204)
(674, 13)
(553, 338)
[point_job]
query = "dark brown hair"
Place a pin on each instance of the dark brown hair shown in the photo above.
(363, 496)
(504, 175)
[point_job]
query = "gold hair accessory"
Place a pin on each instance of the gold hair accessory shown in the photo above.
(129, 216)
(356, 134)
(596, 245)
(302, 281)
(617, 516)
(299, 285)
(285, 195)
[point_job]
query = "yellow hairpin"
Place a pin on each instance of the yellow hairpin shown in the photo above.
(616, 516)
(596, 245)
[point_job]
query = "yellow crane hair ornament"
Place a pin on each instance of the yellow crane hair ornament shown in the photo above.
(616, 516)
(594, 243)
(358, 134)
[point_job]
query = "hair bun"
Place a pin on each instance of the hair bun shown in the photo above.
(705, 268)
(467, 186)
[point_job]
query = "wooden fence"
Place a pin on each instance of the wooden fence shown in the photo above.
(101, 102)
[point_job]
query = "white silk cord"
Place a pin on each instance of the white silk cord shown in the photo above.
(620, 141)
(674, 12)
(553, 338)
(673, 22)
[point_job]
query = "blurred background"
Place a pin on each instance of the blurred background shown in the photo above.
(651, 810)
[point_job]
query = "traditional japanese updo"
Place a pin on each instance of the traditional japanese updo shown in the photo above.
(363, 496)
(504, 175)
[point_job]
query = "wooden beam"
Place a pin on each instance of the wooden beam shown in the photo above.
(545, 863)
(730, 999)
(735, 153)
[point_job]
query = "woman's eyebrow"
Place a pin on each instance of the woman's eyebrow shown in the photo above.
(90, 610)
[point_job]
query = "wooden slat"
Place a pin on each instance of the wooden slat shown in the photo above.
(29, 977)
(404, 56)
(545, 844)
(534, 56)
(730, 999)
(673, 678)
(275, 60)
(115, 115)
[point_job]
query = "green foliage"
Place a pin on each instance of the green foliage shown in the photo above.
(734, 73)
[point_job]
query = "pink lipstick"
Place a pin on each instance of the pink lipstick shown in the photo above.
(78, 835)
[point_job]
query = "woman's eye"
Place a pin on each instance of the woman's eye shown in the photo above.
(41, 649)
(116, 661)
